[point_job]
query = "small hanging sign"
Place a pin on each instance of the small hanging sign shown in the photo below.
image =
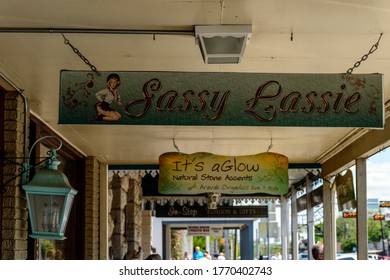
(384, 204)
(204, 230)
(265, 173)
(345, 191)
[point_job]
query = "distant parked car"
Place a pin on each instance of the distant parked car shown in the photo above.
(353, 256)
(384, 258)
(348, 256)
(303, 256)
(373, 257)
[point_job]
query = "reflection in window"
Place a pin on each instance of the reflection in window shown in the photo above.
(51, 249)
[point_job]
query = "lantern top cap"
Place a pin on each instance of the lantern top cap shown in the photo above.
(49, 180)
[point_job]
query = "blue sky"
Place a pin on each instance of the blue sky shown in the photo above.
(378, 175)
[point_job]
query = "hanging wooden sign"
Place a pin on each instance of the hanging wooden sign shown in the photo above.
(345, 191)
(221, 99)
(207, 173)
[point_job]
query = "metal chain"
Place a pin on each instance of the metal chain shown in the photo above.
(364, 57)
(76, 51)
(174, 145)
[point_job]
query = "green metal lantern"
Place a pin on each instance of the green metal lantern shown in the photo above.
(49, 199)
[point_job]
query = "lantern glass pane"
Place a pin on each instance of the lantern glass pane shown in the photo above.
(46, 211)
(65, 216)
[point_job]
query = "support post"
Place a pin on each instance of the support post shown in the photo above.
(294, 223)
(361, 195)
(329, 216)
(309, 216)
(284, 227)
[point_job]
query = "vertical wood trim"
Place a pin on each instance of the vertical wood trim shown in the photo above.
(361, 197)
(294, 223)
(309, 216)
(329, 216)
(284, 225)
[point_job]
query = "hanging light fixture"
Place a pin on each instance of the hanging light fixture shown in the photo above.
(49, 196)
(222, 44)
(49, 199)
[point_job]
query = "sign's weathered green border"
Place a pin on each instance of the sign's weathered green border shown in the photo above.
(224, 99)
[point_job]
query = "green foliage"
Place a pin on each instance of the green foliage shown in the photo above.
(319, 233)
(348, 245)
(345, 229)
(221, 248)
(374, 230)
(199, 241)
(346, 232)
(46, 246)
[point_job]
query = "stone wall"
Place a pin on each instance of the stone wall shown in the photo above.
(147, 232)
(125, 217)
(14, 220)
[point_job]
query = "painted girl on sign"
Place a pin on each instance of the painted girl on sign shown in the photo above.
(106, 97)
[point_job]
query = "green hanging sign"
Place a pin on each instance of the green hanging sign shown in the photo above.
(221, 99)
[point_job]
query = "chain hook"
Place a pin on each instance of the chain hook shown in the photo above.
(364, 57)
(83, 58)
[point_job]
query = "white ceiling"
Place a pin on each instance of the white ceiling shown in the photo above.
(291, 36)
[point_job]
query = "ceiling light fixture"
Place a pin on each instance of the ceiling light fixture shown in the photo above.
(222, 44)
